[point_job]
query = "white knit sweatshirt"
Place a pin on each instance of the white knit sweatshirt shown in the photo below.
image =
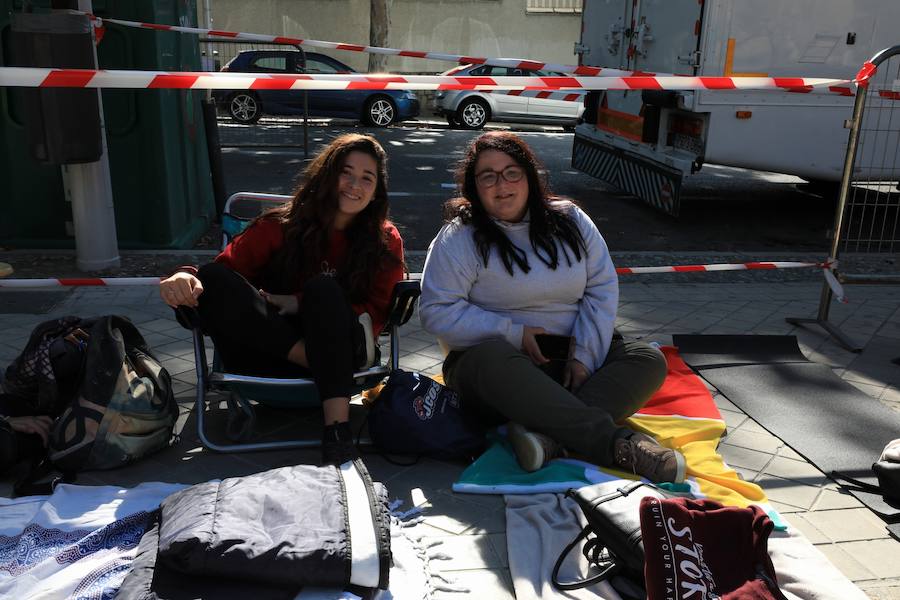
(464, 302)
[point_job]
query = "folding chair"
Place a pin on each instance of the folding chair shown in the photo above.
(240, 209)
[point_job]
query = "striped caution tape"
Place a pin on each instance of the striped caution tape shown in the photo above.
(515, 63)
(117, 79)
(564, 96)
(827, 267)
(77, 282)
(748, 266)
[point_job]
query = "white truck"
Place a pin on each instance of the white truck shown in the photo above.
(647, 142)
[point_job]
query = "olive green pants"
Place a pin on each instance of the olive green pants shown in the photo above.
(501, 384)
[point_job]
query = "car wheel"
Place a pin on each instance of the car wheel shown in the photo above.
(452, 121)
(472, 113)
(380, 111)
(244, 108)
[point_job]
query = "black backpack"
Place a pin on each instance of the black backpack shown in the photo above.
(112, 400)
(414, 414)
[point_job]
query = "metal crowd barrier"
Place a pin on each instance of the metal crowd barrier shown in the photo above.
(868, 210)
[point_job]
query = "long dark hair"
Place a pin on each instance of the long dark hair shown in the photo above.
(308, 218)
(547, 222)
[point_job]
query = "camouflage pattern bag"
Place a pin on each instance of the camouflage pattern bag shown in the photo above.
(124, 408)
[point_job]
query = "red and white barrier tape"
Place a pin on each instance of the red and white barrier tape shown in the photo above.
(85, 281)
(116, 79)
(749, 266)
(564, 96)
(866, 73)
(516, 63)
(827, 268)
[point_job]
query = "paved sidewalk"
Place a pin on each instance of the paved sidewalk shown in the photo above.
(473, 527)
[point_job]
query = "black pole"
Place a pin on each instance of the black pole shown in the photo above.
(305, 106)
(215, 155)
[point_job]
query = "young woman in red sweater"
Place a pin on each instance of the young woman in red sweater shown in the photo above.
(303, 289)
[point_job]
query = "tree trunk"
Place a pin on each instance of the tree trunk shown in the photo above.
(379, 25)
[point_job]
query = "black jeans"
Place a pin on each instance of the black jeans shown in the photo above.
(499, 383)
(253, 339)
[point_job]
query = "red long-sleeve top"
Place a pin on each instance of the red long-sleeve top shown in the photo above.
(250, 252)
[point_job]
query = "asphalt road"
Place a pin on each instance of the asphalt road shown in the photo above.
(723, 209)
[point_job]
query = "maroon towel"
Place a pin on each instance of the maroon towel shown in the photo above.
(701, 550)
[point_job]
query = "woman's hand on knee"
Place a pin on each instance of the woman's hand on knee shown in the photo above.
(181, 289)
(574, 374)
(287, 304)
(38, 425)
(530, 346)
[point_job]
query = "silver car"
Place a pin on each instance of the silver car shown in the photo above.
(470, 109)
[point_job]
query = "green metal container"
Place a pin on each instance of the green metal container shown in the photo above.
(158, 159)
(33, 209)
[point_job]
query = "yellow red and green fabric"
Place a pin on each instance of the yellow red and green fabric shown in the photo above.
(681, 415)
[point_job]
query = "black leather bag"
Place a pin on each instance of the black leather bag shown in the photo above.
(887, 469)
(613, 532)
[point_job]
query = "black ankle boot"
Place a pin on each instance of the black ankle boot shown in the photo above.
(337, 444)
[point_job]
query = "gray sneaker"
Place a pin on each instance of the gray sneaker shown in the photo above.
(533, 450)
(644, 456)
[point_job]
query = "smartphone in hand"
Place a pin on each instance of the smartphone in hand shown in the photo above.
(556, 349)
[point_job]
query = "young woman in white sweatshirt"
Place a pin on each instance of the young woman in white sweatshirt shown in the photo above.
(512, 263)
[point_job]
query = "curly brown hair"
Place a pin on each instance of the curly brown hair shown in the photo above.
(547, 223)
(309, 217)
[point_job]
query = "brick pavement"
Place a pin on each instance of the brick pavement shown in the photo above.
(473, 527)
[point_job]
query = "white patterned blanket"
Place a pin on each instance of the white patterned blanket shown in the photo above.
(77, 543)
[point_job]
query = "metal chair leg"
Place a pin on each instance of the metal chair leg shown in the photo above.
(203, 388)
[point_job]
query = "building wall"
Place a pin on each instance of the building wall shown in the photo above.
(493, 28)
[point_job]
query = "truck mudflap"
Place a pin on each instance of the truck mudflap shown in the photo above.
(656, 184)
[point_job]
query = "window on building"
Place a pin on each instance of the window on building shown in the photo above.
(553, 6)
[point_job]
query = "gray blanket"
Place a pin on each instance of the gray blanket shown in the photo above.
(539, 526)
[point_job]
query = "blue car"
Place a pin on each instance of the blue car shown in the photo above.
(378, 108)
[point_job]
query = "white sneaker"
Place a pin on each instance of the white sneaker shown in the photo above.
(533, 450)
(366, 321)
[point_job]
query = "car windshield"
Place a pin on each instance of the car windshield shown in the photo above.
(488, 70)
(455, 70)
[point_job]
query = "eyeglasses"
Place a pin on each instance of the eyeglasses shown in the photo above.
(489, 178)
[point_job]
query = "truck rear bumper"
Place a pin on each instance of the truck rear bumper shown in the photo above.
(656, 184)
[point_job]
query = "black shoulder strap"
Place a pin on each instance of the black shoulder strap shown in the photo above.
(608, 566)
(862, 485)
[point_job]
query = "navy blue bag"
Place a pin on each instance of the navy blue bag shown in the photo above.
(415, 414)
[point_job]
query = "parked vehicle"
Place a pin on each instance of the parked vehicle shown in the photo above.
(471, 109)
(378, 108)
(646, 142)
